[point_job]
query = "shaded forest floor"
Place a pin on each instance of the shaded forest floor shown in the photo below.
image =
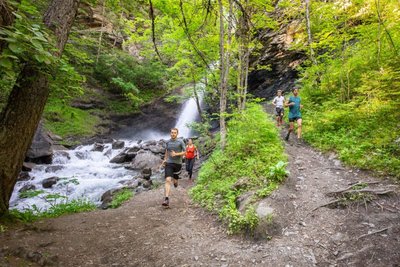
(303, 232)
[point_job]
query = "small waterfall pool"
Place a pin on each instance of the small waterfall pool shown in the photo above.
(87, 174)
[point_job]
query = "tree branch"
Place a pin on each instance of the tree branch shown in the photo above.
(153, 35)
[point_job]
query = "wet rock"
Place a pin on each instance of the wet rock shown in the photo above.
(49, 182)
(55, 137)
(146, 183)
(146, 159)
(54, 168)
(120, 158)
(108, 153)
(150, 143)
(81, 155)
(28, 166)
(61, 153)
(131, 184)
(118, 144)
(27, 187)
(23, 176)
(41, 150)
(157, 149)
(98, 147)
(146, 173)
(133, 149)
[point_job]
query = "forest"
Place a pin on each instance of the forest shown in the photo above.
(78, 67)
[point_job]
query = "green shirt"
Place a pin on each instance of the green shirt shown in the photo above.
(294, 111)
(178, 146)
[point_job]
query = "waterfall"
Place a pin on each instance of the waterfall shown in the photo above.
(189, 113)
(84, 173)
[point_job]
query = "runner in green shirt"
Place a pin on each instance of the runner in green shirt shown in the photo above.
(295, 106)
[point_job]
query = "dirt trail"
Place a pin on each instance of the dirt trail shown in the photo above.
(142, 233)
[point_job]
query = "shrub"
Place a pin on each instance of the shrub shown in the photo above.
(253, 150)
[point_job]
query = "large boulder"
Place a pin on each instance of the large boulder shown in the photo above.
(146, 173)
(118, 144)
(49, 182)
(123, 157)
(146, 159)
(41, 151)
(23, 176)
(98, 147)
(54, 168)
(27, 187)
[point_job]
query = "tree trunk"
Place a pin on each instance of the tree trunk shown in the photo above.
(196, 97)
(101, 31)
(19, 121)
(59, 17)
(20, 118)
(308, 26)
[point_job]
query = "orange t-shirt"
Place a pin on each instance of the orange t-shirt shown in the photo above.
(190, 152)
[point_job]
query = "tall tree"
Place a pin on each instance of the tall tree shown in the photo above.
(20, 118)
(224, 55)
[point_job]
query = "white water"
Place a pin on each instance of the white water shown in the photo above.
(189, 114)
(91, 169)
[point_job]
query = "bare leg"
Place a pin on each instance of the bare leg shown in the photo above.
(168, 182)
(299, 121)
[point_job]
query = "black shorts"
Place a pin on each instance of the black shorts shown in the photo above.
(294, 119)
(173, 170)
(279, 111)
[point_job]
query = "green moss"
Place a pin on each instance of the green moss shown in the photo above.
(67, 121)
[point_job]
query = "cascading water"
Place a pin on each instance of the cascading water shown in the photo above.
(86, 174)
(189, 114)
(82, 173)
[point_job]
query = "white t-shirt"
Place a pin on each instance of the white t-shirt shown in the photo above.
(278, 101)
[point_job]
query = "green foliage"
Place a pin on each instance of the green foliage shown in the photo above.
(121, 197)
(253, 151)
(27, 42)
(124, 75)
(351, 95)
(68, 207)
(3, 228)
(67, 121)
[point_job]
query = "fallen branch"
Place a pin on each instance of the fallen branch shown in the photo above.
(370, 191)
(327, 204)
(363, 190)
(374, 232)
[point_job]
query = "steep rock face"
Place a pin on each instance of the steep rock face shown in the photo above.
(279, 60)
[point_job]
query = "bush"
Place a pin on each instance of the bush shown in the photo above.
(254, 151)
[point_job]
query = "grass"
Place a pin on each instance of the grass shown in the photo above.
(364, 136)
(121, 197)
(67, 121)
(34, 214)
(254, 154)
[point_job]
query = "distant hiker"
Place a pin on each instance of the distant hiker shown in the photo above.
(278, 102)
(294, 104)
(190, 155)
(175, 149)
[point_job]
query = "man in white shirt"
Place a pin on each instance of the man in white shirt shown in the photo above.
(278, 102)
